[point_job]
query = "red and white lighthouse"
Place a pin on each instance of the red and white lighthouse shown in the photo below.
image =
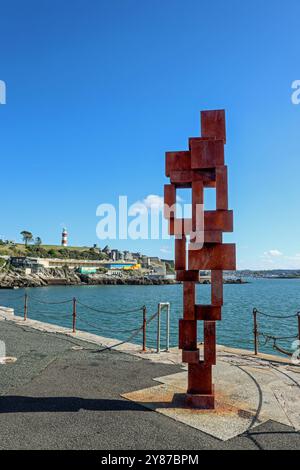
(64, 237)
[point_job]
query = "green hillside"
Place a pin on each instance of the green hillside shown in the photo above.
(51, 251)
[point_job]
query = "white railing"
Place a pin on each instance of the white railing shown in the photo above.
(163, 306)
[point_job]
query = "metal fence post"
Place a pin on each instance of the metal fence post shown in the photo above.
(25, 306)
(161, 306)
(74, 315)
(168, 328)
(255, 332)
(158, 329)
(144, 327)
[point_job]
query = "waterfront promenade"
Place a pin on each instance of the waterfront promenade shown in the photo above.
(66, 393)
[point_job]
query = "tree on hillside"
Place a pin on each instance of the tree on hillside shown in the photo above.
(27, 236)
(38, 241)
(52, 253)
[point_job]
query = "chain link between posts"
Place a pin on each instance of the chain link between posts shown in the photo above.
(30, 299)
(267, 338)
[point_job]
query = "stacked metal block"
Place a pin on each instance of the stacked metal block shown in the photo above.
(200, 167)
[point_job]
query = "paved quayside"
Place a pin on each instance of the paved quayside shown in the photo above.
(67, 391)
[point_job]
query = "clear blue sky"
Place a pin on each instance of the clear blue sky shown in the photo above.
(97, 91)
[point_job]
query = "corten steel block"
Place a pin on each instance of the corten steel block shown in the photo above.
(208, 312)
(202, 402)
(189, 298)
(197, 205)
(177, 161)
(206, 237)
(213, 236)
(213, 257)
(180, 253)
(213, 124)
(218, 220)
(187, 276)
(169, 201)
(210, 342)
(203, 139)
(206, 153)
(184, 179)
(207, 176)
(190, 357)
(200, 379)
(179, 227)
(197, 192)
(217, 288)
(181, 179)
(221, 188)
(188, 334)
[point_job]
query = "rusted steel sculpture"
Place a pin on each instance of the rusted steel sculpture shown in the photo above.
(200, 167)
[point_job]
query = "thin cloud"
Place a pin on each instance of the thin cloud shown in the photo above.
(273, 253)
(165, 250)
(153, 201)
(275, 259)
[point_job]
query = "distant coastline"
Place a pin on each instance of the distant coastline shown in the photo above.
(49, 265)
(14, 279)
(64, 277)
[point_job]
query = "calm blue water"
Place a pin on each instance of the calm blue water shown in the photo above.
(276, 296)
